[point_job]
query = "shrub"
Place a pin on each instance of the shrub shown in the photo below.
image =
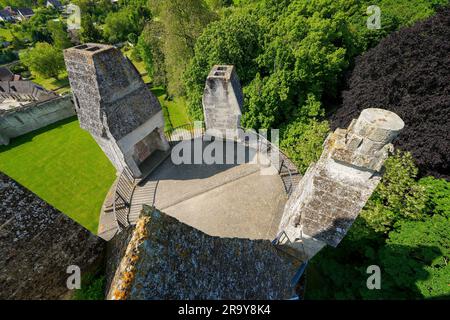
(438, 192)
(44, 59)
(397, 197)
(303, 141)
(92, 288)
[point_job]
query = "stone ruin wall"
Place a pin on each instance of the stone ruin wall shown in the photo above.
(113, 103)
(334, 190)
(149, 262)
(38, 243)
(222, 101)
(33, 116)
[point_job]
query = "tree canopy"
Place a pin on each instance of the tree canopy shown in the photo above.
(44, 59)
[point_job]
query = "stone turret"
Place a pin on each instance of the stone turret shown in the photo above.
(115, 106)
(335, 189)
(222, 101)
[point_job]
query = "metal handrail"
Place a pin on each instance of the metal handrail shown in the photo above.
(284, 163)
(126, 184)
(169, 133)
(123, 193)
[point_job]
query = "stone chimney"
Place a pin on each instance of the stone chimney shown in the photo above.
(334, 190)
(115, 106)
(222, 101)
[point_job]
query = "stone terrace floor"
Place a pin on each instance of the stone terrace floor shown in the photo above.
(227, 200)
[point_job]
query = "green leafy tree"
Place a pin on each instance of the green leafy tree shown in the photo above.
(36, 26)
(150, 49)
(438, 192)
(183, 21)
(233, 40)
(89, 32)
(416, 259)
(44, 59)
(59, 34)
(128, 20)
(398, 197)
(302, 49)
(17, 3)
(303, 141)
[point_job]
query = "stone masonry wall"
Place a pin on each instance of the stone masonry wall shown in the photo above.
(33, 116)
(167, 259)
(112, 101)
(38, 243)
(222, 101)
(335, 189)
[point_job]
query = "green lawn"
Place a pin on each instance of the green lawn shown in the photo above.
(64, 166)
(59, 86)
(140, 66)
(175, 111)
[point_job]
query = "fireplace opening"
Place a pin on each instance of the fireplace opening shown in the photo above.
(149, 152)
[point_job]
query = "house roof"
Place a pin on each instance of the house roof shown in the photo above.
(5, 13)
(25, 11)
(27, 88)
(6, 74)
(55, 3)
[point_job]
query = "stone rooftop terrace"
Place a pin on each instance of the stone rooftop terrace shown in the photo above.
(227, 200)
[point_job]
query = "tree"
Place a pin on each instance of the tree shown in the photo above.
(36, 26)
(416, 259)
(183, 22)
(233, 40)
(438, 193)
(398, 197)
(303, 141)
(150, 49)
(89, 32)
(17, 3)
(129, 20)
(44, 59)
(59, 34)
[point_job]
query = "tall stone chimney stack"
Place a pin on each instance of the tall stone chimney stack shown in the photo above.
(222, 102)
(115, 106)
(335, 189)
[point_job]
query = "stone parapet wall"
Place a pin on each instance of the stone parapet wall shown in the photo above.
(33, 116)
(167, 259)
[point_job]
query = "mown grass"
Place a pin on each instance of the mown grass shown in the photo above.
(63, 165)
(60, 85)
(175, 109)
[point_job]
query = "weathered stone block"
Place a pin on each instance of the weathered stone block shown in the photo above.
(222, 101)
(335, 189)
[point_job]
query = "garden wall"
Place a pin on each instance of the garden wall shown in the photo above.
(33, 116)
